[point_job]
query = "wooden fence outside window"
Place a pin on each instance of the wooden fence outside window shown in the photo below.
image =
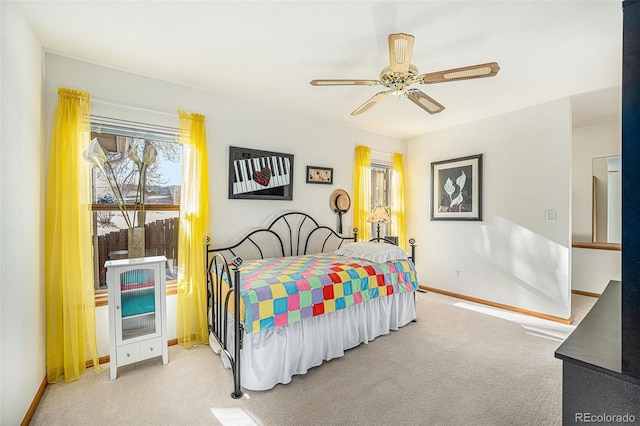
(161, 239)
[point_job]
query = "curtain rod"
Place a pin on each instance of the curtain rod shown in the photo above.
(131, 106)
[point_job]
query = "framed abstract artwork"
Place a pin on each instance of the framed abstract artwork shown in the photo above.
(456, 189)
(320, 175)
(260, 175)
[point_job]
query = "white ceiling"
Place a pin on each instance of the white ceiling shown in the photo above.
(267, 52)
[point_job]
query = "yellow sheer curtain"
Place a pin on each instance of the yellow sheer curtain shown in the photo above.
(194, 228)
(362, 192)
(69, 292)
(397, 200)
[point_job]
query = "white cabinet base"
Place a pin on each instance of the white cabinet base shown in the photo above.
(137, 311)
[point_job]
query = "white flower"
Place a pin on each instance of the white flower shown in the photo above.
(462, 179)
(95, 155)
(449, 188)
(458, 200)
(149, 155)
(133, 156)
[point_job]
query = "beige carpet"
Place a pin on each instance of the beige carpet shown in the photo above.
(460, 364)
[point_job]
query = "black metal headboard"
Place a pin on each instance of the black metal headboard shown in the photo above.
(290, 234)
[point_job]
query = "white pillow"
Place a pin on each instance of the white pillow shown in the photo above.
(375, 252)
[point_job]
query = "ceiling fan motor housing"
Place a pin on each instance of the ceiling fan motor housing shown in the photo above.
(398, 81)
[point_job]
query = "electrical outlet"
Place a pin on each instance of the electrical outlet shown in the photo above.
(458, 273)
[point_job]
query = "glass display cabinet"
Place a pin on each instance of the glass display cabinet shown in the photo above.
(137, 311)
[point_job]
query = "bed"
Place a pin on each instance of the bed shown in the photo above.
(307, 294)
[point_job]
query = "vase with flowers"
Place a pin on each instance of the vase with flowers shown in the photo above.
(133, 214)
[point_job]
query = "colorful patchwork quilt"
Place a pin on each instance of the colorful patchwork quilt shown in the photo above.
(282, 291)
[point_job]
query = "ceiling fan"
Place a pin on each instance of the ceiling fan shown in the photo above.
(401, 73)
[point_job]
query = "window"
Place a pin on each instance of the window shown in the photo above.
(380, 193)
(161, 199)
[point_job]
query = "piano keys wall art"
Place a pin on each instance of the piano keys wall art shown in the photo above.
(260, 175)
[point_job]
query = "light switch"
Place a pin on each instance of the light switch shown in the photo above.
(550, 216)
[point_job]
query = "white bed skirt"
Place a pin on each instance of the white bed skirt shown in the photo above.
(273, 356)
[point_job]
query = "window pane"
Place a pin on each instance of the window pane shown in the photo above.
(110, 240)
(163, 176)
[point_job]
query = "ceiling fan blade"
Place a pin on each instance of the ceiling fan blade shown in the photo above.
(400, 50)
(474, 71)
(371, 102)
(423, 101)
(344, 82)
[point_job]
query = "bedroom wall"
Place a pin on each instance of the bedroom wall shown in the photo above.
(229, 121)
(22, 180)
(591, 269)
(513, 257)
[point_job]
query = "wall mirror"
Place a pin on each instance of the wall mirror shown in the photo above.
(607, 199)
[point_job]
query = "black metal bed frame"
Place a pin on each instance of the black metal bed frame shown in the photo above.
(299, 230)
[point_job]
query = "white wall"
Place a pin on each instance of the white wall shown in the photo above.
(591, 270)
(513, 256)
(229, 121)
(22, 180)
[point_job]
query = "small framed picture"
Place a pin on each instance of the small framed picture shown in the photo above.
(320, 175)
(456, 189)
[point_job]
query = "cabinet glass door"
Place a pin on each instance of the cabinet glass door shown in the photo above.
(138, 303)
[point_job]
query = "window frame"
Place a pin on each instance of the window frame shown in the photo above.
(145, 131)
(385, 229)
